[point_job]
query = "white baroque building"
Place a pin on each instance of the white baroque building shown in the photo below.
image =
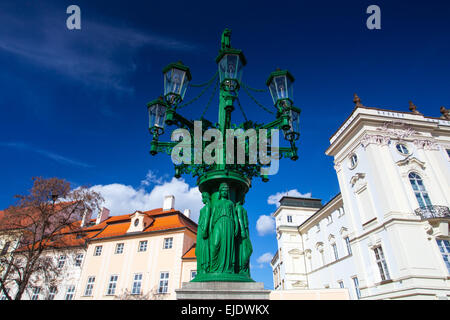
(386, 234)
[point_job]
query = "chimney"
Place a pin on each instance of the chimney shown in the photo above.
(86, 217)
(102, 215)
(169, 203)
(187, 212)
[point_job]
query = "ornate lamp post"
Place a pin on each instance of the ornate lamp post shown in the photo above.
(223, 247)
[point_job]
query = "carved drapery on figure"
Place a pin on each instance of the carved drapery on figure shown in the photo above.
(223, 241)
(202, 246)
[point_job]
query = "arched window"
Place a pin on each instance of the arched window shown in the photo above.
(419, 190)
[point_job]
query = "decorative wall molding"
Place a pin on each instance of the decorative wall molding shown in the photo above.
(426, 144)
(295, 252)
(380, 140)
(331, 239)
(344, 232)
(411, 163)
(398, 129)
(358, 182)
(319, 246)
(299, 284)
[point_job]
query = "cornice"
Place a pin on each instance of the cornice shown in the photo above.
(389, 120)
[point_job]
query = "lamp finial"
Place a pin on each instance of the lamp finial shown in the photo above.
(226, 39)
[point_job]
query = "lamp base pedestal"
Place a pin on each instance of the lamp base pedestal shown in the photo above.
(222, 290)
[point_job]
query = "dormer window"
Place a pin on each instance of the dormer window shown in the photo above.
(136, 222)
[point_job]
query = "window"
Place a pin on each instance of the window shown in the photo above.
(444, 248)
(136, 222)
(353, 161)
(89, 286)
(168, 243)
(98, 250)
(336, 254)
(112, 285)
(356, 284)
(318, 227)
(341, 284)
(52, 292)
(289, 218)
(347, 242)
(137, 284)
(142, 246)
(70, 292)
(61, 261)
(193, 274)
(36, 291)
(402, 148)
(419, 190)
(322, 256)
(5, 248)
(79, 259)
(381, 263)
(119, 248)
(163, 282)
(448, 152)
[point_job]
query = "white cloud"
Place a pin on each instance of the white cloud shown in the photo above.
(275, 198)
(265, 258)
(265, 225)
(123, 199)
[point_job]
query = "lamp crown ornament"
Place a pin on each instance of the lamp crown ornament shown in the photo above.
(223, 246)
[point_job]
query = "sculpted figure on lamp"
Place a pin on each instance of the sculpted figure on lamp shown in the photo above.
(244, 245)
(226, 39)
(224, 227)
(202, 246)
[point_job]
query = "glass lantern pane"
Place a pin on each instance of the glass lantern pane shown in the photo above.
(295, 121)
(232, 64)
(281, 85)
(230, 68)
(157, 116)
(290, 90)
(273, 92)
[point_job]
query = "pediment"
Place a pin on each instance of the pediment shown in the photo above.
(412, 162)
(295, 252)
(299, 284)
(356, 178)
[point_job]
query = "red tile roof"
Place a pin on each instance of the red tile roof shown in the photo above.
(190, 254)
(114, 226)
(161, 220)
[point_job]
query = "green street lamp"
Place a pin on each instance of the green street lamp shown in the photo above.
(157, 116)
(223, 247)
(176, 80)
(280, 87)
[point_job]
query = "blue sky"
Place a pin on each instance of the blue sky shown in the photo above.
(73, 103)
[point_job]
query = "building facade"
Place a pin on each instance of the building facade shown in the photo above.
(386, 234)
(143, 255)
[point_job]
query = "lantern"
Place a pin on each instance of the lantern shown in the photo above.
(157, 115)
(176, 80)
(231, 63)
(293, 132)
(280, 87)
